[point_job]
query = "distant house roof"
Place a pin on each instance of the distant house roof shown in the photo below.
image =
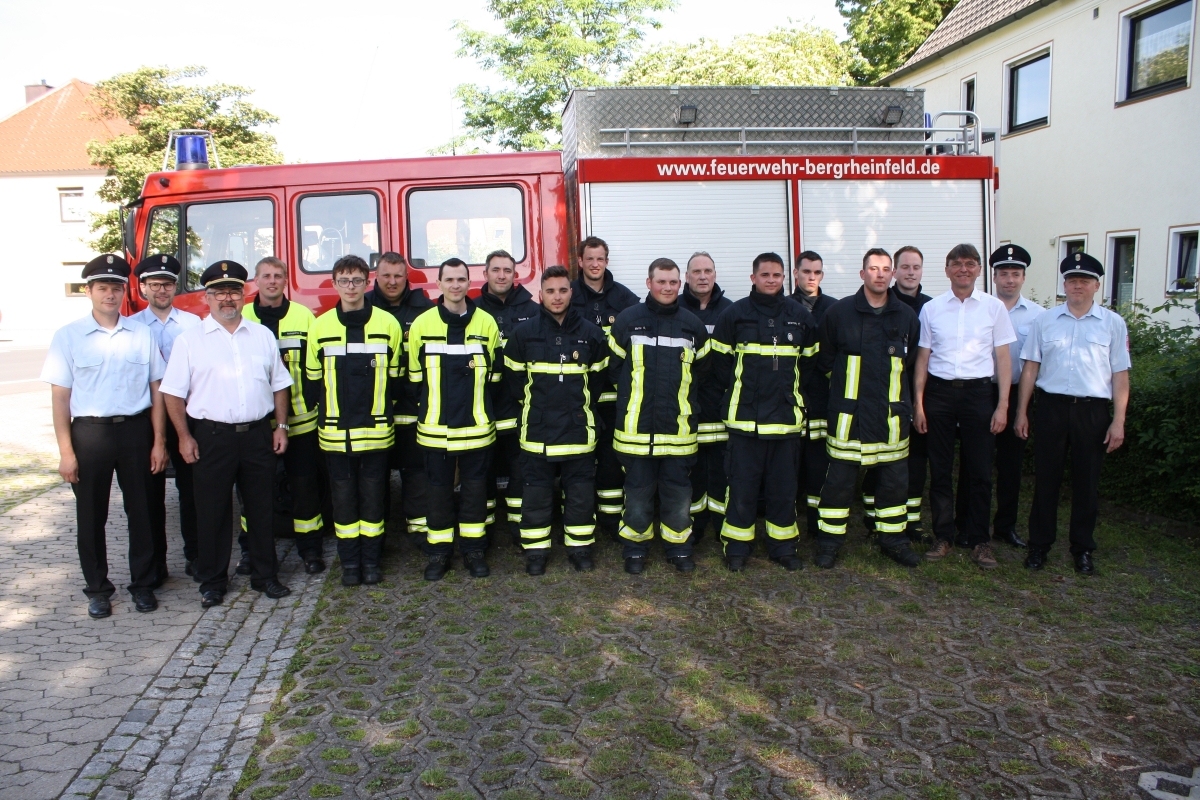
(966, 22)
(51, 133)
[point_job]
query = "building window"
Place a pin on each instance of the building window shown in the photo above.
(1067, 247)
(968, 94)
(1181, 260)
(1159, 44)
(70, 205)
(1122, 269)
(1029, 93)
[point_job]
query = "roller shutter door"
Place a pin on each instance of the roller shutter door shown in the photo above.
(841, 220)
(732, 220)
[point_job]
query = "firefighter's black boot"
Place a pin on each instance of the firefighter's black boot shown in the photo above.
(581, 558)
(350, 554)
(372, 551)
(476, 563)
(535, 562)
(437, 566)
(896, 547)
(827, 550)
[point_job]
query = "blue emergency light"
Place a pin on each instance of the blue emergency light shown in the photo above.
(191, 152)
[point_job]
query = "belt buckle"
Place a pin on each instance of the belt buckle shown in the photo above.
(958, 383)
(241, 428)
(118, 420)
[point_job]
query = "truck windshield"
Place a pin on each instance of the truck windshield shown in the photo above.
(236, 230)
(465, 223)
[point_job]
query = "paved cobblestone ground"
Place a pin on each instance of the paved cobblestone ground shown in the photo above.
(866, 681)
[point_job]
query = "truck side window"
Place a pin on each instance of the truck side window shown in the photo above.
(238, 230)
(335, 225)
(465, 223)
(163, 238)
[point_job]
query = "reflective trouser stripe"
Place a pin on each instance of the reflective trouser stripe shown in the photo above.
(370, 529)
(349, 531)
(716, 505)
(813, 500)
(535, 538)
(833, 520)
(514, 508)
(417, 524)
(635, 536)
(893, 519)
(579, 535)
(243, 521)
(700, 504)
(914, 509)
(780, 532)
(868, 502)
(307, 525)
(605, 498)
(443, 536)
(472, 530)
(733, 532)
(673, 536)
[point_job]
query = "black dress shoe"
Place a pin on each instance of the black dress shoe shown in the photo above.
(99, 607)
(1035, 560)
(735, 563)
(476, 563)
(211, 598)
(1084, 564)
(635, 565)
(436, 569)
(189, 568)
(1009, 537)
(314, 565)
(684, 563)
(243, 566)
(535, 564)
(144, 600)
(790, 563)
(271, 587)
(582, 562)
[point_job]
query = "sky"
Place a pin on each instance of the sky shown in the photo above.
(349, 80)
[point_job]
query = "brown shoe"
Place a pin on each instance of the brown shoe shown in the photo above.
(941, 548)
(983, 556)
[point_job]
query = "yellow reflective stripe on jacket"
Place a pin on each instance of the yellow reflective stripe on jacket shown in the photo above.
(894, 379)
(637, 381)
(853, 368)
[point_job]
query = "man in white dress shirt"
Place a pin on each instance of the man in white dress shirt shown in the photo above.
(103, 372)
(158, 279)
(223, 383)
(965, 335)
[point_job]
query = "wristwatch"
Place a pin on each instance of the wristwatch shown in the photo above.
(283, 426)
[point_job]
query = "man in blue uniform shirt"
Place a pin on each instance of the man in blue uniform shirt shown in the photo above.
(103, 372)
(1076, 362)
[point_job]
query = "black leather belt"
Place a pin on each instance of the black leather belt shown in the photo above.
(1069, 398)
(236, 427)
(111, 420)
(960, 383)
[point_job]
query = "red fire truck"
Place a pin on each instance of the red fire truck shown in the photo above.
(637, 169)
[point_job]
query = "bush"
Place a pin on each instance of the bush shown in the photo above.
(1157, 469)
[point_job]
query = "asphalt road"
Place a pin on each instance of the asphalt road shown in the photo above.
(19, 370)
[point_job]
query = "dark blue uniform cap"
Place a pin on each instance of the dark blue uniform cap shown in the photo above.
(1010, 256)
(158, 266)
(224, 273)
(107, 267)
(1081, 264)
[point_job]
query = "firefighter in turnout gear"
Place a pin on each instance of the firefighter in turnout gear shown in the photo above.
(291, 322)
(393, 294)
(451, 355)
(658, 351)
(353, 371)
(510, 304)
(762, 346)
(868, 345)
(704, 298)
(554, 362)
(814, 460)
(599, 299)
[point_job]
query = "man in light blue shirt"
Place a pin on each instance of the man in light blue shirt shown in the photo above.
(1077, 359)
(158, 280)
(103, 372)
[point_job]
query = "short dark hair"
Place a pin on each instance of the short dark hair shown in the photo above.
(453, 262)
(487, 262)
(593, 241)
(663, 264)
(392, 257)
(556, 271)
(767, 258)
(876, 251)
(350, 263)
(809, 255)
(908, 248)
(963, 251)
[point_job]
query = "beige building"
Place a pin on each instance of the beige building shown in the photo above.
(47, 195)
(1094, 116)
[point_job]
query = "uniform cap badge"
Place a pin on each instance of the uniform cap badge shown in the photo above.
(1078, 256)
(1010, 251)
(110, 260)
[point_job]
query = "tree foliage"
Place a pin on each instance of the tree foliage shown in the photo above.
(156, 101)
(884, 33)
(548, 48)
(807, 56)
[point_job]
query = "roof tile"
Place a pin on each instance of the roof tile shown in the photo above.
(51, 133)
(965, 20)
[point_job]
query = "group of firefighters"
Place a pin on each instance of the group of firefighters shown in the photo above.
(686, 408)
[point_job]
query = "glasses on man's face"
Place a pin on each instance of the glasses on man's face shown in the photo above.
(346, 283)
(967, 264)
(226, 294)
(160, 286)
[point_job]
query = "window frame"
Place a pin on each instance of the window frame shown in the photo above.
(972, 93)
(1175, 235)
(182, 287)
(70, 191)
(1108, 289)
(1043, 51)
(1125, 44)
(409, 191)
(1064, 243)
(299, 225)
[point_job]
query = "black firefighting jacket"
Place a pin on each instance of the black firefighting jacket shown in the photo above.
(868, 357)
(509, 312)
(290, 323)
(411, 304)
(553, 370)
(814, 382)
(601, 309)
(710, 415)
(761, 347)
(658, 355)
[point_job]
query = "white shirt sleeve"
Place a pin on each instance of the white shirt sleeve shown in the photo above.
(1118, 348)
(57, 368)
(280, 378)
(1002, 328)
(926, 339)
(157, 366)
(177, 378)
(1032, 351)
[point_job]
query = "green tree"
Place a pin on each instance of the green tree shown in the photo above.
(807, 56)
(885, 33)
(155, 101)
(548, 48)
